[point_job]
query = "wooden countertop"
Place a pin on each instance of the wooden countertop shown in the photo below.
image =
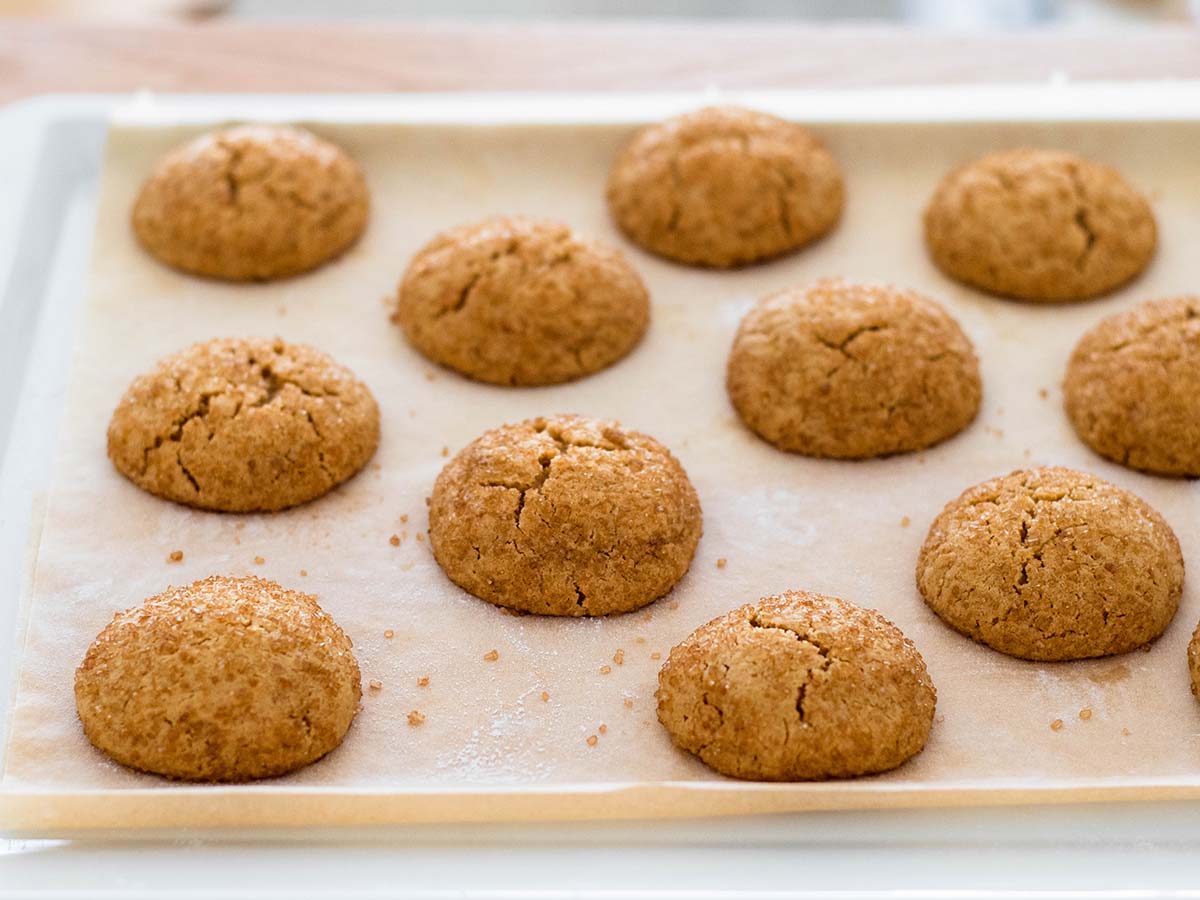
(39, 57)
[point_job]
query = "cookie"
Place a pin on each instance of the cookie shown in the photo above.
(249, 425)
(724, 187)
(1052, 564)
(1039, 225)
(252, 203)
(1132, 389)
(564, 516)
(521, 302)
(797, 687)
(1193, 660)
(227, 679)
(852, 371)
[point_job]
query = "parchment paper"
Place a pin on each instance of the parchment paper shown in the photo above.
(490, 747)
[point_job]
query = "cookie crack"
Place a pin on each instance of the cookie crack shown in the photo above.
(1081, 220)
(804, 637)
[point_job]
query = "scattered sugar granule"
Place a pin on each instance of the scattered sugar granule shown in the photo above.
(1056, 725)
(722, 562)
(905, 522)
(940, 719)
(404, 519)
(375, 684)
(420, 537)
(430, 375)
(1043, 393)
(423, 681)
(591, 741)
(492, 655)
(394, 540)
(639, 640)
(628, 703)
(1125, 732)
(416, 718)
(445, 451)
(604, 670)
(603, 728)
(1085, 713)
(656, 655)
(619, 657)
(674, 604)
(176, 556)
(304, 573)
(258, 560)
(389, 634)
(545, 697)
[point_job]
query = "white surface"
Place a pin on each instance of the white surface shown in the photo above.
(1127, 851)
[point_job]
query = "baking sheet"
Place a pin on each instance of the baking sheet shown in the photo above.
(490, 748)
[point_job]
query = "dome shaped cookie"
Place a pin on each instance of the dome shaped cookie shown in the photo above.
(852, 371)
(797, 687)
(521, 302)
(724, 187)
(564, 516)
(1052, 564)
(250, 425)
(1039, 225)
(227, 679)
(251, 203)
(1132, 389)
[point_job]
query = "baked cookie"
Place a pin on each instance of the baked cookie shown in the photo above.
(723, 187)
(1039, 225)
(564, 516)
(797, 687)
(1193, 659)
(1052, 564)
(226, 679)
(249, 425)
(852, 371)
(521, 302)
(252, 203)
(1132, 389)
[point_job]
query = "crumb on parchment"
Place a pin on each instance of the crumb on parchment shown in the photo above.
(304, 573)
(591, 741)
(619, 657)
(656, 655)
(176, 556)
(604, 670)
(492, 655)
(404, 519)
(388, 633)
(603, 728)
(545, 696)
(375, 684)
(1085, 713)
(905, 522)
(722, 562)
(258, 560)
(416, 718)
(629, 703)
(1056, 725)
(423, 681)
(394, 540)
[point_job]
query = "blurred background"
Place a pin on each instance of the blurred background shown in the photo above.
(981, 14)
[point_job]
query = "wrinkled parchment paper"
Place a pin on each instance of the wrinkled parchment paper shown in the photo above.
(490, 747)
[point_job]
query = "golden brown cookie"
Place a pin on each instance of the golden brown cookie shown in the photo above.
(724, 187)
(852, 371)
(1039, 225)
(252, 203)
(521, 301)
(1193, 660)
(1132, 389)
(564, 516)
(250, 425)
(1052, 564)
(226, 679)
(797, 687)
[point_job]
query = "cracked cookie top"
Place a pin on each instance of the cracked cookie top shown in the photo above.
(1132, 389)
(517, 301)
(250, 425)
(564, 516)
(852, 371)
(1039, 225)
(252, 203)
(1052, 564)
(724, 187)
(797, 687)
(226, 679)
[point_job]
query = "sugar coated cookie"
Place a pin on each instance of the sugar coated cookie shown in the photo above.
(564, 516)
(227, 679)
(1052, 564)
(797, 687)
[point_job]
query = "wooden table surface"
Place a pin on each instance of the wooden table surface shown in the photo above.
(41, 57)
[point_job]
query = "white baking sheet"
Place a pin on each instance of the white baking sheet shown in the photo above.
(490, 748)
